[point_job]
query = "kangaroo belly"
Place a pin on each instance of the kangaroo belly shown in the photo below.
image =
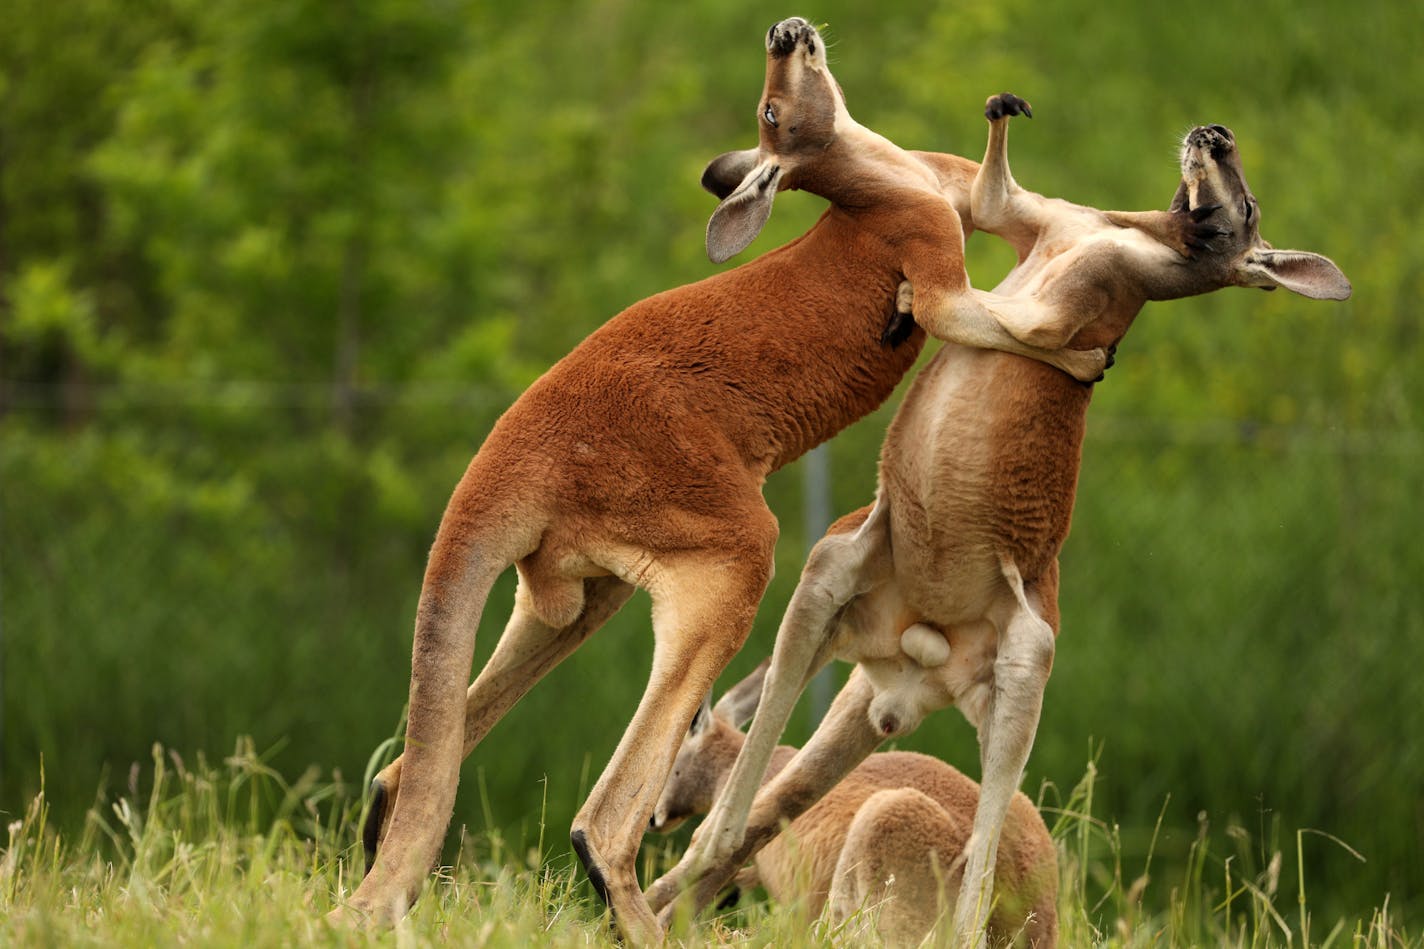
(981, 465)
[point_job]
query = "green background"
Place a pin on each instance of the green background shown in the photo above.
(268, 273)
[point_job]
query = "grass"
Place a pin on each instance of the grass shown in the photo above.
(235, 854)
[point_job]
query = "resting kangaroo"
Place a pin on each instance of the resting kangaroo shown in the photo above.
(638, 460)
(945, 591)
(887, 838)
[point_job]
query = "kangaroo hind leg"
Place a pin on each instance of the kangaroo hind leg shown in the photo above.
(527, 650)
(1021, 668)
(703, 606)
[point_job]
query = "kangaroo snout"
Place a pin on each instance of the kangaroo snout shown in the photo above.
(782, 39)
(1211, 168)
(1214, 138)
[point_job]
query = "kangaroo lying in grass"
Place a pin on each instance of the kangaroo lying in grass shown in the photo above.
(945, 592)
(886, 842)
(638, 461)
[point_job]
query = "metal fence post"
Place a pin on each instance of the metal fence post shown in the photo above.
(817, 517)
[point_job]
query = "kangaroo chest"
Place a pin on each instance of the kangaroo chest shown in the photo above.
(981, 465)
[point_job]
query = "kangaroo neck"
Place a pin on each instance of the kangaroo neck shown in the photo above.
(860, 170)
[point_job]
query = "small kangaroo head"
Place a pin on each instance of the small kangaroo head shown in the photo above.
(798, 118)
(707, 754)
(1212, 176)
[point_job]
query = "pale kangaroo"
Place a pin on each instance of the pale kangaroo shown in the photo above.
(945, 592)
(884, 843)
(638, 460)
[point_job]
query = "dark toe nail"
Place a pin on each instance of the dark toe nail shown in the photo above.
(375, 817)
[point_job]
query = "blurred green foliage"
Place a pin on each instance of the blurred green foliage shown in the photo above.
(269, 272)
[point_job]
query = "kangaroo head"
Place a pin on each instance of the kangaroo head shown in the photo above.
(707, 754)
(1212, 178)
(801, 113)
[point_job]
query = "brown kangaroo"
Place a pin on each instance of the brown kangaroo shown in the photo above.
(887, 839)
(945, 592)
(638, 461)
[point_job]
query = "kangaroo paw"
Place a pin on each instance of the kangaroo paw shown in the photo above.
(1004, 105)
(1195, 232)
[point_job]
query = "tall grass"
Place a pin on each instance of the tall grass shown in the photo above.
(1242, 624)
(235, 854)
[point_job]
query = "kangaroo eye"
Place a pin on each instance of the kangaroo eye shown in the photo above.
(1250, 210)
(770, 116)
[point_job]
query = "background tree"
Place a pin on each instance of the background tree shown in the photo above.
(269, 272)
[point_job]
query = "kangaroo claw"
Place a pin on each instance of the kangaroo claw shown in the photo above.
(1108, 364)
(1200, 236)
(371, 830)
(898, 328)
(732, 897)
(1006, 104)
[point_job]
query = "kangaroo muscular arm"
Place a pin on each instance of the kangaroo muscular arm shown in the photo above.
(1185, 232)
(949, 309)
(999, 205)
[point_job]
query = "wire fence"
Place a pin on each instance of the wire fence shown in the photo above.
(21, 398)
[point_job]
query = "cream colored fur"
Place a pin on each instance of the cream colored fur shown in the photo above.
(883, 850)
(977, 481)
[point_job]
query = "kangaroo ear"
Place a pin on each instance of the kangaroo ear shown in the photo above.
(702, 718)
(726, 171)
(739, 218)
(1310, 275)
(1181, 199)
(740, 703)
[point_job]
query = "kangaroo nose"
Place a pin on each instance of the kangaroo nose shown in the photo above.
(782, 38)
(1215, 137)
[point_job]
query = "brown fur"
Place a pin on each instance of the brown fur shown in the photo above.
(977, 481)
(903, 859)
(638, 461)
(886, 842)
